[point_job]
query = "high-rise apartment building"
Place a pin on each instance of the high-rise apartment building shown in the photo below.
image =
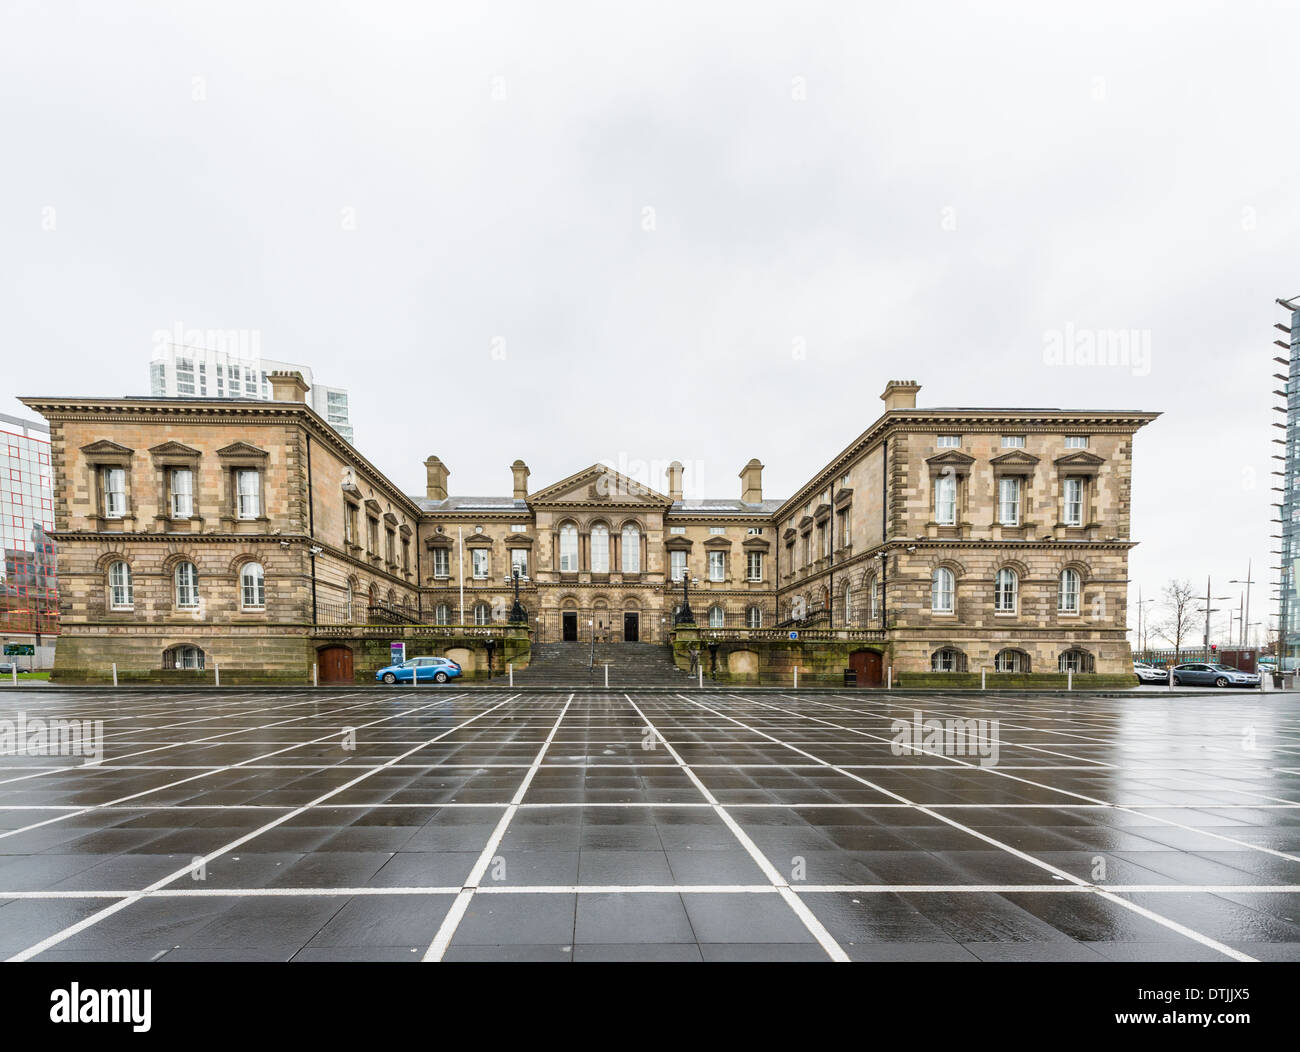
(1288, 623)
(184, 371)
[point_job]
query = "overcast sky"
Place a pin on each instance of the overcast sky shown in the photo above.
(638, 232)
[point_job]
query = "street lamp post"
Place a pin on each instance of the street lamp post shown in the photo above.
(517, 614)
(684, 616)
(1246, 615)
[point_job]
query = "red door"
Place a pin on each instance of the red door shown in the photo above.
(868, 665)
(335, 664)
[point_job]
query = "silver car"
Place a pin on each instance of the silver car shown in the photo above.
(1212, 674)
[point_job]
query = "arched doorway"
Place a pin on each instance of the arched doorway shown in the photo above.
(334, 664)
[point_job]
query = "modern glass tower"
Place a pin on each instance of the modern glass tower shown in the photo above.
(1288, 618)
(29, 594)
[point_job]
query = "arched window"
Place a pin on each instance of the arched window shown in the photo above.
(252, 586)
(482, 614)
(600, 548)
(848, 604)
(187, 586)
(947, 660)
(184, 656)
(941, 589)
(754, 617)
(120, 593)
(945, 500)
(1011, 660)
(717, 619)
(875, 598)
(631, 549)
(568, 548)
(1005, 586)
(1067, 601)
(348, 602)
(442, 615)
(1075, 661)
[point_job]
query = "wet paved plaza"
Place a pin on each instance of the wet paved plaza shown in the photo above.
(443, 824)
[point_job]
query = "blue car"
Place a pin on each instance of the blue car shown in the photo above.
(1213, 675)
(423, 669)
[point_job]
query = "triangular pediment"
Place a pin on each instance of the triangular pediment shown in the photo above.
(950, 458)
(105, 446)
(174, 449)
(1080, 459)
(602, 485)
(1016, 458)
(241, 449)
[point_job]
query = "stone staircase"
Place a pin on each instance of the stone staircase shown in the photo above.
(630, 665)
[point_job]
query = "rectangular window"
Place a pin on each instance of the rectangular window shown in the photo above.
(235, 383)
(755, 531)
(754, 566)
(1009, 501)
(519, 561)
(1074, 502)
(843, 537)
(568, 549)
(824, 540)
(390, 547)
(182, 493)
(372, 536)
(677, 530)
(249, 493)
(440, 562)
(406, 555)
(945, 500)
(480, 562)
(185, 376)
(518, 527)
(158, 378)
(1013, 441)
(717, 566)
(349, 524)
(948, 441)
(114, 481)
(717, 531)
(1076, 441)
(119, 586)
(677, 564)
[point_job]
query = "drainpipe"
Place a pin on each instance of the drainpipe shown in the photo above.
(311, 531)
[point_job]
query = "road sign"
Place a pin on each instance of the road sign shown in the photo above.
(396, 653)
(794, 635)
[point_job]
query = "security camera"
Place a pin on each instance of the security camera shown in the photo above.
(284, 544)
(316, 549)
(911, 549)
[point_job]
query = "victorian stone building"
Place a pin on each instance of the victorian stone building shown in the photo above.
(200, 533)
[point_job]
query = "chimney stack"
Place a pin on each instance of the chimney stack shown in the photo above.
(675, 470)
(436, 486)
(521, 473)
(288, 386)
(900, 394)
(751, 483)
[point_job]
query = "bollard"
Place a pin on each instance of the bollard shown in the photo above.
(984, 679)
(796, 677)
(115, 673)
(510, 669)
(315, 676)
(1069, 679)
(14, 669)
(890, 680)
(701, 671)
(1171, 677)
(607, 674)
(216, 669)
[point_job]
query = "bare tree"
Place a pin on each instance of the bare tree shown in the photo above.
(1178, 600)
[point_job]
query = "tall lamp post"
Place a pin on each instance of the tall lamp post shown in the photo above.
(684, 616)
(1245, 616)
(518, 615)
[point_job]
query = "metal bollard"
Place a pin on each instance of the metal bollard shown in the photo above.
(796, 677)
(510, 669)
(115, 673)
(607, 674)
(984, 679)
(315, 675)
(889, 682)
(701, 672)
(1171, 677)
(216, 669)
(1069, 679)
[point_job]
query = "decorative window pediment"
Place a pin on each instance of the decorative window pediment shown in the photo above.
(950, 460)
(843, 496)
(599, 484)
(106, 452)
(1080, 462)
(174, 451)
(718, 542)
(679, 544)
(242, 450)
(1016, 462)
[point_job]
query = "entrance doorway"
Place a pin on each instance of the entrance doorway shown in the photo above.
(631, 628)
(868, 664)
(569, 622)
(334, 664)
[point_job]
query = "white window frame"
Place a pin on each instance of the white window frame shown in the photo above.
(248, 499)
(1069, 591)
(717, 616)
(1013, 442)
(519, 561)
(943, 589)
(252, 586)
(1008, 656)
(114, 483)
(121, 590)
(754, 567)
(442, 614)
(482, 613)
(631, 548)
(186, 578)
(1073, 493)
(600, 548)
(1076, 441)
(441, 562)
(945, 500)
(1006, 590)
(754, 617)
(480, 563)
(182, 493)
(1009, 491)
(568, 548)
(947, 442)
(717, 567)
(677, 565)
(874, 607)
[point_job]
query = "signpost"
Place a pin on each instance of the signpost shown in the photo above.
(396, 653)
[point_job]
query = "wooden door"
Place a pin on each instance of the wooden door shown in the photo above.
(869, 667)
(335, 664)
